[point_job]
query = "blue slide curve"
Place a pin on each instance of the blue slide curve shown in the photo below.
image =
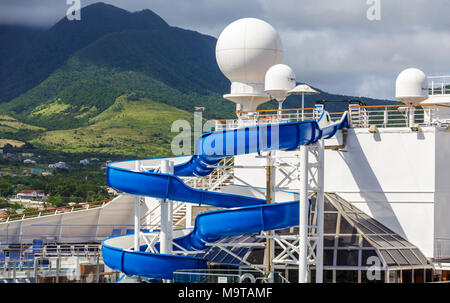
(249, 215)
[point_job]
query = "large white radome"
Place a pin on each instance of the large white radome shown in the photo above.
(246, 49)
(411, 86)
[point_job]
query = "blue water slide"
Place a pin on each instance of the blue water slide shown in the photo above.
(242, 214)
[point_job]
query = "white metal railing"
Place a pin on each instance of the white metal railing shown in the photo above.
(271, 116)
(179, 214)
(383, 116)
(214, 181)
(439, 85)
(54, 211)
(393, 115)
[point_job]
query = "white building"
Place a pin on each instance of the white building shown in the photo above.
(30, 194)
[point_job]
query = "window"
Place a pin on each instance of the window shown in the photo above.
(293, 275)
(347, 257)
(330, 221)
(328, 241)
(429, 275)
(419, 275)
(328, 257)
(346, 276)
(406, 276)
(346, 228)
(348, 241)
(328, 276)
(256, 256)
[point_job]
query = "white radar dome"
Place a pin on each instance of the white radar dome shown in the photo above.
(411, 86)
(279, 79)
(246, 49)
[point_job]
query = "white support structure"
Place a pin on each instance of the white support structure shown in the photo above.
(303, 215)
(320, 209)
(270, 198)
(137, 215)
(308, 168)
(166, 215)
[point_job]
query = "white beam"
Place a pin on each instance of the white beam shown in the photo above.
(303, 215)
(166, 215)
(137, 215)
(320, 210)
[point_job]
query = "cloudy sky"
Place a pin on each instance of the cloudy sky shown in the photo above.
(330, 44)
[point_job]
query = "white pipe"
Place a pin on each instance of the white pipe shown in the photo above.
(170, 218)
(166, 229)
(137, 215)
(137, 223)
(303, 215)
(320, 210)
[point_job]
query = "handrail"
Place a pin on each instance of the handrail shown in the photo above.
(350, 106)
(272, 110)
(53, 209)
(225, 162)
(396, 105)
(150, 212)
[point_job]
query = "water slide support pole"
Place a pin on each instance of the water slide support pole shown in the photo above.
(165, 235)
(303, 215)
(320, 210)
(137, 215)
(270, 198)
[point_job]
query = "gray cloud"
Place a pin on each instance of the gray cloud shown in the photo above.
(330, 44)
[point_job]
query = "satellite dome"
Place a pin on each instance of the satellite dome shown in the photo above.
(246, 49)
(411, 86)
(280, 79)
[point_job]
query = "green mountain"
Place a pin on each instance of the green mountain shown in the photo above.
(54, 46)
(16, 42)
(163, 63)
(112, 83)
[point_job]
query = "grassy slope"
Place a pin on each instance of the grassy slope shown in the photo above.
(138, 128)
(176, 72)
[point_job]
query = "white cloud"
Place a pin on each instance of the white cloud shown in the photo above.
(330, 44)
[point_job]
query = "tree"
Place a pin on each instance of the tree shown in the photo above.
(5, 188)
(4, 203)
